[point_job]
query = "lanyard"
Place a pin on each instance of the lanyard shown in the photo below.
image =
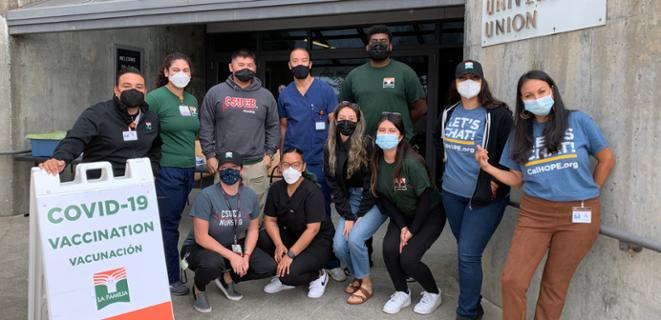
(134, 123)
(235, 222)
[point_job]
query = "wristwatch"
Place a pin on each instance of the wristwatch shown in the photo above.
(291, 254)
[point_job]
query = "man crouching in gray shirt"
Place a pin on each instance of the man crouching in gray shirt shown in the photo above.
(242, 116)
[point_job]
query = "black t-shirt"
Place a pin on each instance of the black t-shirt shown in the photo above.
(356, 179)
(305, 206)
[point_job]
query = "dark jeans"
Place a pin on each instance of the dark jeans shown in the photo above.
(318, 170)
(209, 265)
(472, 229)
(409, 262)
(305, 267)
(172, 188)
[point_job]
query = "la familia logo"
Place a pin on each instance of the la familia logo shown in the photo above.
(111, 287)
(148, 124)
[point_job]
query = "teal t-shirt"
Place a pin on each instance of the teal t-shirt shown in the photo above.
(567, 174)
(180, 124)
(391, 88)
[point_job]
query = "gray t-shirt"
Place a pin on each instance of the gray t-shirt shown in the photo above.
(211, 205)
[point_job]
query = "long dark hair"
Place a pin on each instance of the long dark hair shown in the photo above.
(554, 127)
(485, 97)
(403, 150)
(357, 155)
(161, 79)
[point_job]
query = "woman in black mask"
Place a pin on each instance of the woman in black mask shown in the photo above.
(346, 159)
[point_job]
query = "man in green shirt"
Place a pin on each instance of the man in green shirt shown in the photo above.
(384, 84)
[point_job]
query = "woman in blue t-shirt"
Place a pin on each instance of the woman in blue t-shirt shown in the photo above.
(548, 155)
(474, 201)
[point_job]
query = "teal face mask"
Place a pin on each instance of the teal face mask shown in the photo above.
(387, 141)
(539, 107)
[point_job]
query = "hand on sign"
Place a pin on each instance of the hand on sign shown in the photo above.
(283, 266)
(237, 264)
(482, 157)
(280, 252)
(53, 166)
(212, 165)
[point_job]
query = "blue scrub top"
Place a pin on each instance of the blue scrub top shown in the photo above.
(302, 113)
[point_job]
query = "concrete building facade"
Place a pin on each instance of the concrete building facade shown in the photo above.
(52, 67)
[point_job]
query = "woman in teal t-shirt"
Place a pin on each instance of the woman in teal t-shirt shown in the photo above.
(179, 123)
(548, 155)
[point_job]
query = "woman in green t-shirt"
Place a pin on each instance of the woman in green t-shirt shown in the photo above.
(179, 122)
(401, 183)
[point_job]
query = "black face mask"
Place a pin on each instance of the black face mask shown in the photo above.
(300, 71)
(244, 75)
(131, 98)
(378, 51)
(346, 127)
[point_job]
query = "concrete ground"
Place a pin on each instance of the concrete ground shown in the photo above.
(292, 304)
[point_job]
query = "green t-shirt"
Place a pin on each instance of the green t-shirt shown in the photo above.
(405, 191)
(391, 88)
(180, 124)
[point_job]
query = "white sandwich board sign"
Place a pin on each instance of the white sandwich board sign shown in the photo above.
(96, 247)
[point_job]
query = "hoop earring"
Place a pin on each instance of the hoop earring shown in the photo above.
(525, 115)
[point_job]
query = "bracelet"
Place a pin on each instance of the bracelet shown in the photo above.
(247, 254)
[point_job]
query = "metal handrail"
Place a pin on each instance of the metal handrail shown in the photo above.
(628, 241)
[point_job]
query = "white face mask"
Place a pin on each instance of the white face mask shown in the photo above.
(179, 79)
(291, 175)
(469, 88)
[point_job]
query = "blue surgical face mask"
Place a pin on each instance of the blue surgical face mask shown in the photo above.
(539, 107)
(387, 141)
(229, 176)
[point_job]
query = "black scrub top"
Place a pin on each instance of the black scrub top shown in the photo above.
(305, 206)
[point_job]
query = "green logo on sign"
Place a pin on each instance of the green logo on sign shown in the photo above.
(111, 287)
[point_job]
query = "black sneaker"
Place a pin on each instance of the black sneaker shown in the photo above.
(480, 313)
(228, 289)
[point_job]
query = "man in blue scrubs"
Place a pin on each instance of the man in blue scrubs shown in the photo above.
(305, 107)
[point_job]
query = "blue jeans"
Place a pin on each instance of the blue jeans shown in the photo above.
(472, 229)
(353, 252)
(318, 170)
(172, 188)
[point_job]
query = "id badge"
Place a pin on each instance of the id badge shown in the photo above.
(184, 111)
(320, 125)
(236, 248)
(581, 215)
(130, 135)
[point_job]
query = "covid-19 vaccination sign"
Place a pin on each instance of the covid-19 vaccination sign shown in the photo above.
(99, 243)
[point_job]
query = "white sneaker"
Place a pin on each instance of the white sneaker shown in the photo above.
(398, 300)
(318, 287)
(428, 303)
(276, 286)
(337, 274)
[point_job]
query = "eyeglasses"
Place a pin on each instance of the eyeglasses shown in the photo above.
(286, 165)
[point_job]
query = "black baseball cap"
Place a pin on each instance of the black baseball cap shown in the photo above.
(230, 156)
(469, 67)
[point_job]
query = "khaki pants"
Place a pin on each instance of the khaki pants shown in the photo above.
(256, 177)
(545, 225)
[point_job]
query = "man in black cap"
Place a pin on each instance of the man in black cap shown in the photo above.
(113, 130)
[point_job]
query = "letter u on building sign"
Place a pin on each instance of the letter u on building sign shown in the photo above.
(96, 246)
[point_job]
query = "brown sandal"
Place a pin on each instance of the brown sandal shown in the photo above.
(353, 286)
(360, 293)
